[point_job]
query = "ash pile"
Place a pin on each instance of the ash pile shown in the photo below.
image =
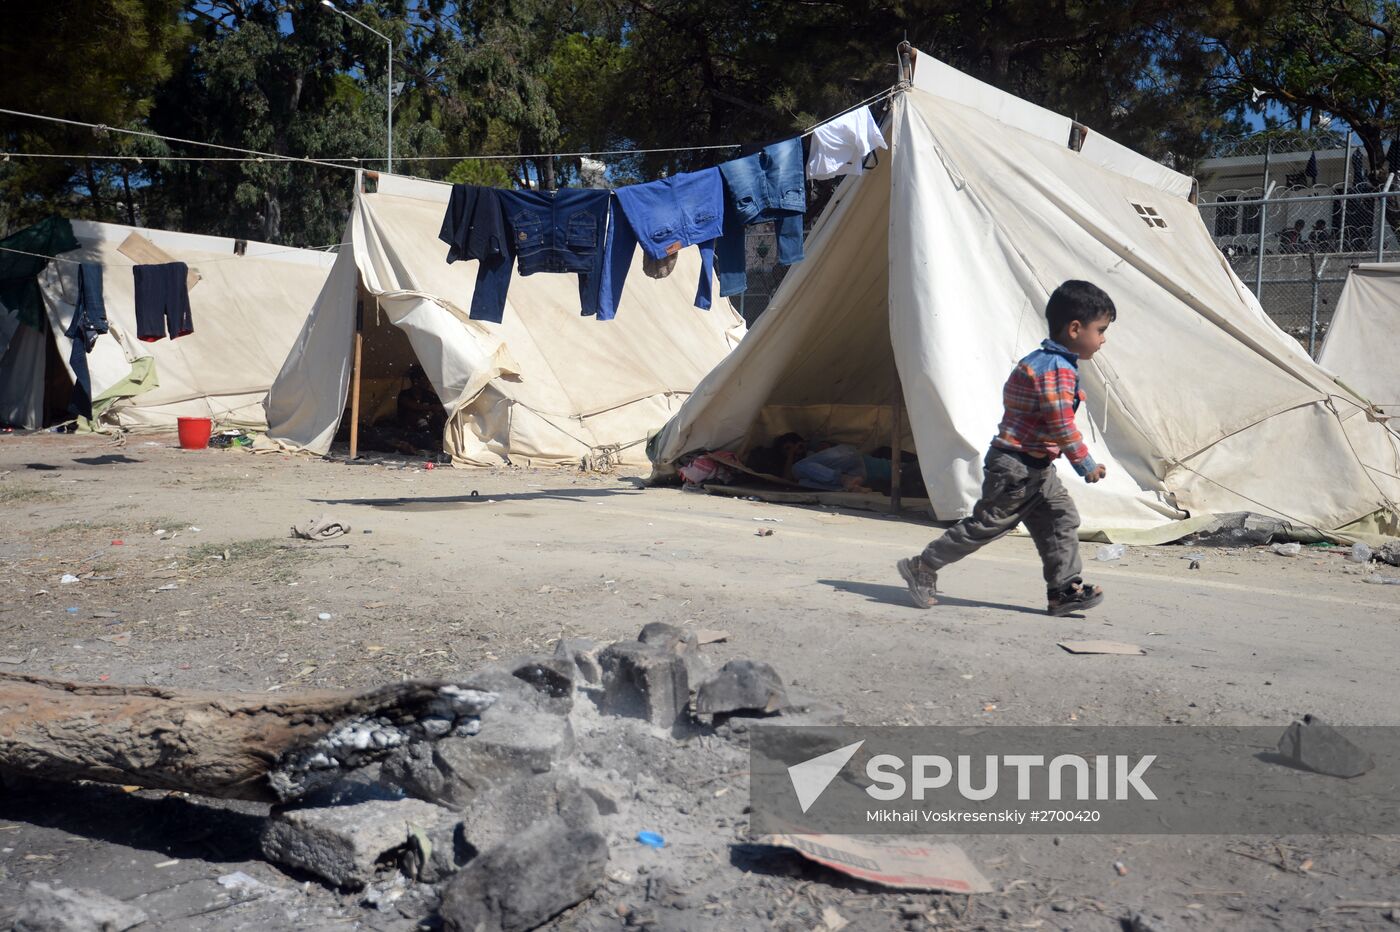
(568, 774)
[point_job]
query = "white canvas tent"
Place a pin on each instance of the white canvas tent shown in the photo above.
(247, 311)
(1363, 341)
(929, 276)
(545, 386)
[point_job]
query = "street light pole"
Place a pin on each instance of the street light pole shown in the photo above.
(389, 82)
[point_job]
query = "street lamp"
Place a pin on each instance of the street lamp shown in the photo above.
(389, 81)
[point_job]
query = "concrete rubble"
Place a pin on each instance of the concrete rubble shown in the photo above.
(644, 681)
(513, 743)
(46, 908)
(536, 805)
(344, 844)
(742, 685)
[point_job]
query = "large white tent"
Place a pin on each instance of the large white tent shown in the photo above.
(928, 278)
(544, 386)
(248, 307)
(1363, 341)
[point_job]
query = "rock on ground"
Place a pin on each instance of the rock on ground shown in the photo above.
(344, 844)
(542, 852)
(742, 685)
(803, 709)
(1314, 745)
(643, 681)
(514, 742)
(504, 811)
(583, 654)
(45, 908)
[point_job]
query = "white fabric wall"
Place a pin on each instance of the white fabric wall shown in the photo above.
(1363, 341)
(1197, 404)
(544, 386)
(247, 312)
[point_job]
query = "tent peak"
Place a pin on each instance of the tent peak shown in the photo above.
(931, 76)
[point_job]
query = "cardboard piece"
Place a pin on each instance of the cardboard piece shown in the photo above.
(1101, 647)
(144, 252)
(941, 867)
(705, 636)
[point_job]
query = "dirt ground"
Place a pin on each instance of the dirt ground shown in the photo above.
(448, 569)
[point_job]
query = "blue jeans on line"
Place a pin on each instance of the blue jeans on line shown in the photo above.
(769, 185)
(663, 216)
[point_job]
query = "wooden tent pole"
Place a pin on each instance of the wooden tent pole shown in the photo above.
(896, 454)
(355, 380)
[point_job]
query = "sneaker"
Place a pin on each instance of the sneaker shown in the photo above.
(922, 582)
(1075, 597)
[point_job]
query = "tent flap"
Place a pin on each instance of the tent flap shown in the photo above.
(940, 263)
(546, 385)
(247, 310)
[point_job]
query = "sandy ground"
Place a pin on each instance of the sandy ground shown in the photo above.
(448, 569)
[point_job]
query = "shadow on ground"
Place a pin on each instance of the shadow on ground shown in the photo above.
(899, 595)
(110, 459)
(175, 826)
(445, 502)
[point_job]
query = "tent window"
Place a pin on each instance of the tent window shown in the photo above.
(1150, 216)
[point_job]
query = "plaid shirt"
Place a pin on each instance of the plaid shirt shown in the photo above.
(1040, 398)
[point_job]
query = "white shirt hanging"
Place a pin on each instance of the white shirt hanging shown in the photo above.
(839, 146)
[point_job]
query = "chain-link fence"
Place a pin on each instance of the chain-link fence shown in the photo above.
(1294, 247)
(1293, 210)
(1292, 244)
(764, 272)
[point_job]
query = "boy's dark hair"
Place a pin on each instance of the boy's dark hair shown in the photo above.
(1081, 301)
(786, 439)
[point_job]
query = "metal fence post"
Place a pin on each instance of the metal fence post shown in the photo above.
(1380, 246)
(1316, 285)
(1346, 189)
(1263, 217)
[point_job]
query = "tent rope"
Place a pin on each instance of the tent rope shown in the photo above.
(256, 155)
(201, 261)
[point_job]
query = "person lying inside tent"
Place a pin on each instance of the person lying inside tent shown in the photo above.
(418, 420)
(1019, 482)
(778, 459)
(420, 411)
(841, 467)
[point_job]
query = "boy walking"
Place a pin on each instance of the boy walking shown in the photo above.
(1019, 482)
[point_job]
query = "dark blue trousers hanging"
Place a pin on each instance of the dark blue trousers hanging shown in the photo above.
(162, 301)
(89, 321)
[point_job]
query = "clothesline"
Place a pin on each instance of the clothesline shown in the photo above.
(352, 158)
(101, 127)
(594, 233)
(887, 92)
(38, 255)
(254, 155)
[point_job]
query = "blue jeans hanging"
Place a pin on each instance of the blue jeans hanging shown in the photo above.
(769, 185)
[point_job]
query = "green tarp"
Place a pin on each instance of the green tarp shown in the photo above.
(142, 379)
(19, 287)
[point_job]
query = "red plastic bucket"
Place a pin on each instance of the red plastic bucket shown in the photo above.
(194, 432)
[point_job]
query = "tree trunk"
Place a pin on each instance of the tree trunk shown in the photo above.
(272, 219)
(256, 746)
(94, 191)
(130, 202)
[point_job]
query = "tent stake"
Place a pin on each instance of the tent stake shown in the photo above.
(896, 455)
(355, 381)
